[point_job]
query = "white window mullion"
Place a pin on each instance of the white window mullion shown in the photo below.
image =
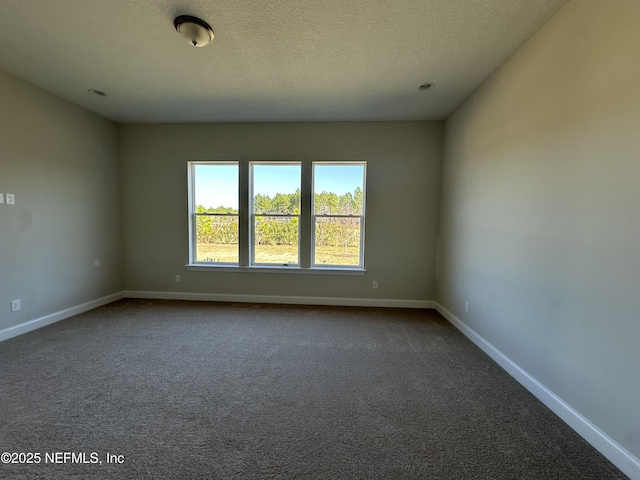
(246, 207)
(306, 222)
(192, 212)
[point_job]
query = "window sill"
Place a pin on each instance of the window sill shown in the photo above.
(199, 267)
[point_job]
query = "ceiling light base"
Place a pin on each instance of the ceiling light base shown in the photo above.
(197, 32)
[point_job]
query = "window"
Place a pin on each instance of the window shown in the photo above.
(338, 214)
(214, 232)
(275, 213)
(298, 216)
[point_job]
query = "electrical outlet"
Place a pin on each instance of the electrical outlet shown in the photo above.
(467, 307)
(11, 199)
(375, 284)
(177, 278)
(15, 305)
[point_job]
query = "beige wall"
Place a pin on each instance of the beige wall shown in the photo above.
(540, 222)
(403, 174)
(60, 242)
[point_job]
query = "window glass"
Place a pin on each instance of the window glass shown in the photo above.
(276, 212)
(338, 214)
(215, 196)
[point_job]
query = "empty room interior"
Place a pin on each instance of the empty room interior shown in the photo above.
(476, 315)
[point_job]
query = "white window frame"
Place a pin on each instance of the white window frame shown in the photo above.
(306, 222)
(315, 216)
(253, 215)
(193, 215)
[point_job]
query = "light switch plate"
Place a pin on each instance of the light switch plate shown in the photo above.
(1, 197)
(11, 200)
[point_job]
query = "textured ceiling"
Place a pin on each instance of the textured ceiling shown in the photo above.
(271, 60)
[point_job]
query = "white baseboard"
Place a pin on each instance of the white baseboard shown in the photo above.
(31, 325)
(618, 455)
(285, 299)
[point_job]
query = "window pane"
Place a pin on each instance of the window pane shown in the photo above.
(338, 189)
(216, 187)
(276, 240)
(337, 241)
(216, 238)
(276, 188)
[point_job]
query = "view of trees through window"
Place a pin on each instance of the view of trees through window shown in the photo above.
(276, 213)
(337, 213)
(216, 193)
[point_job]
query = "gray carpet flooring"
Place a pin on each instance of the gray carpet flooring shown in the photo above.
(241, 391)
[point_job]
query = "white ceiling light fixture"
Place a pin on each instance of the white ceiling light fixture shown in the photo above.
(197, 32)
